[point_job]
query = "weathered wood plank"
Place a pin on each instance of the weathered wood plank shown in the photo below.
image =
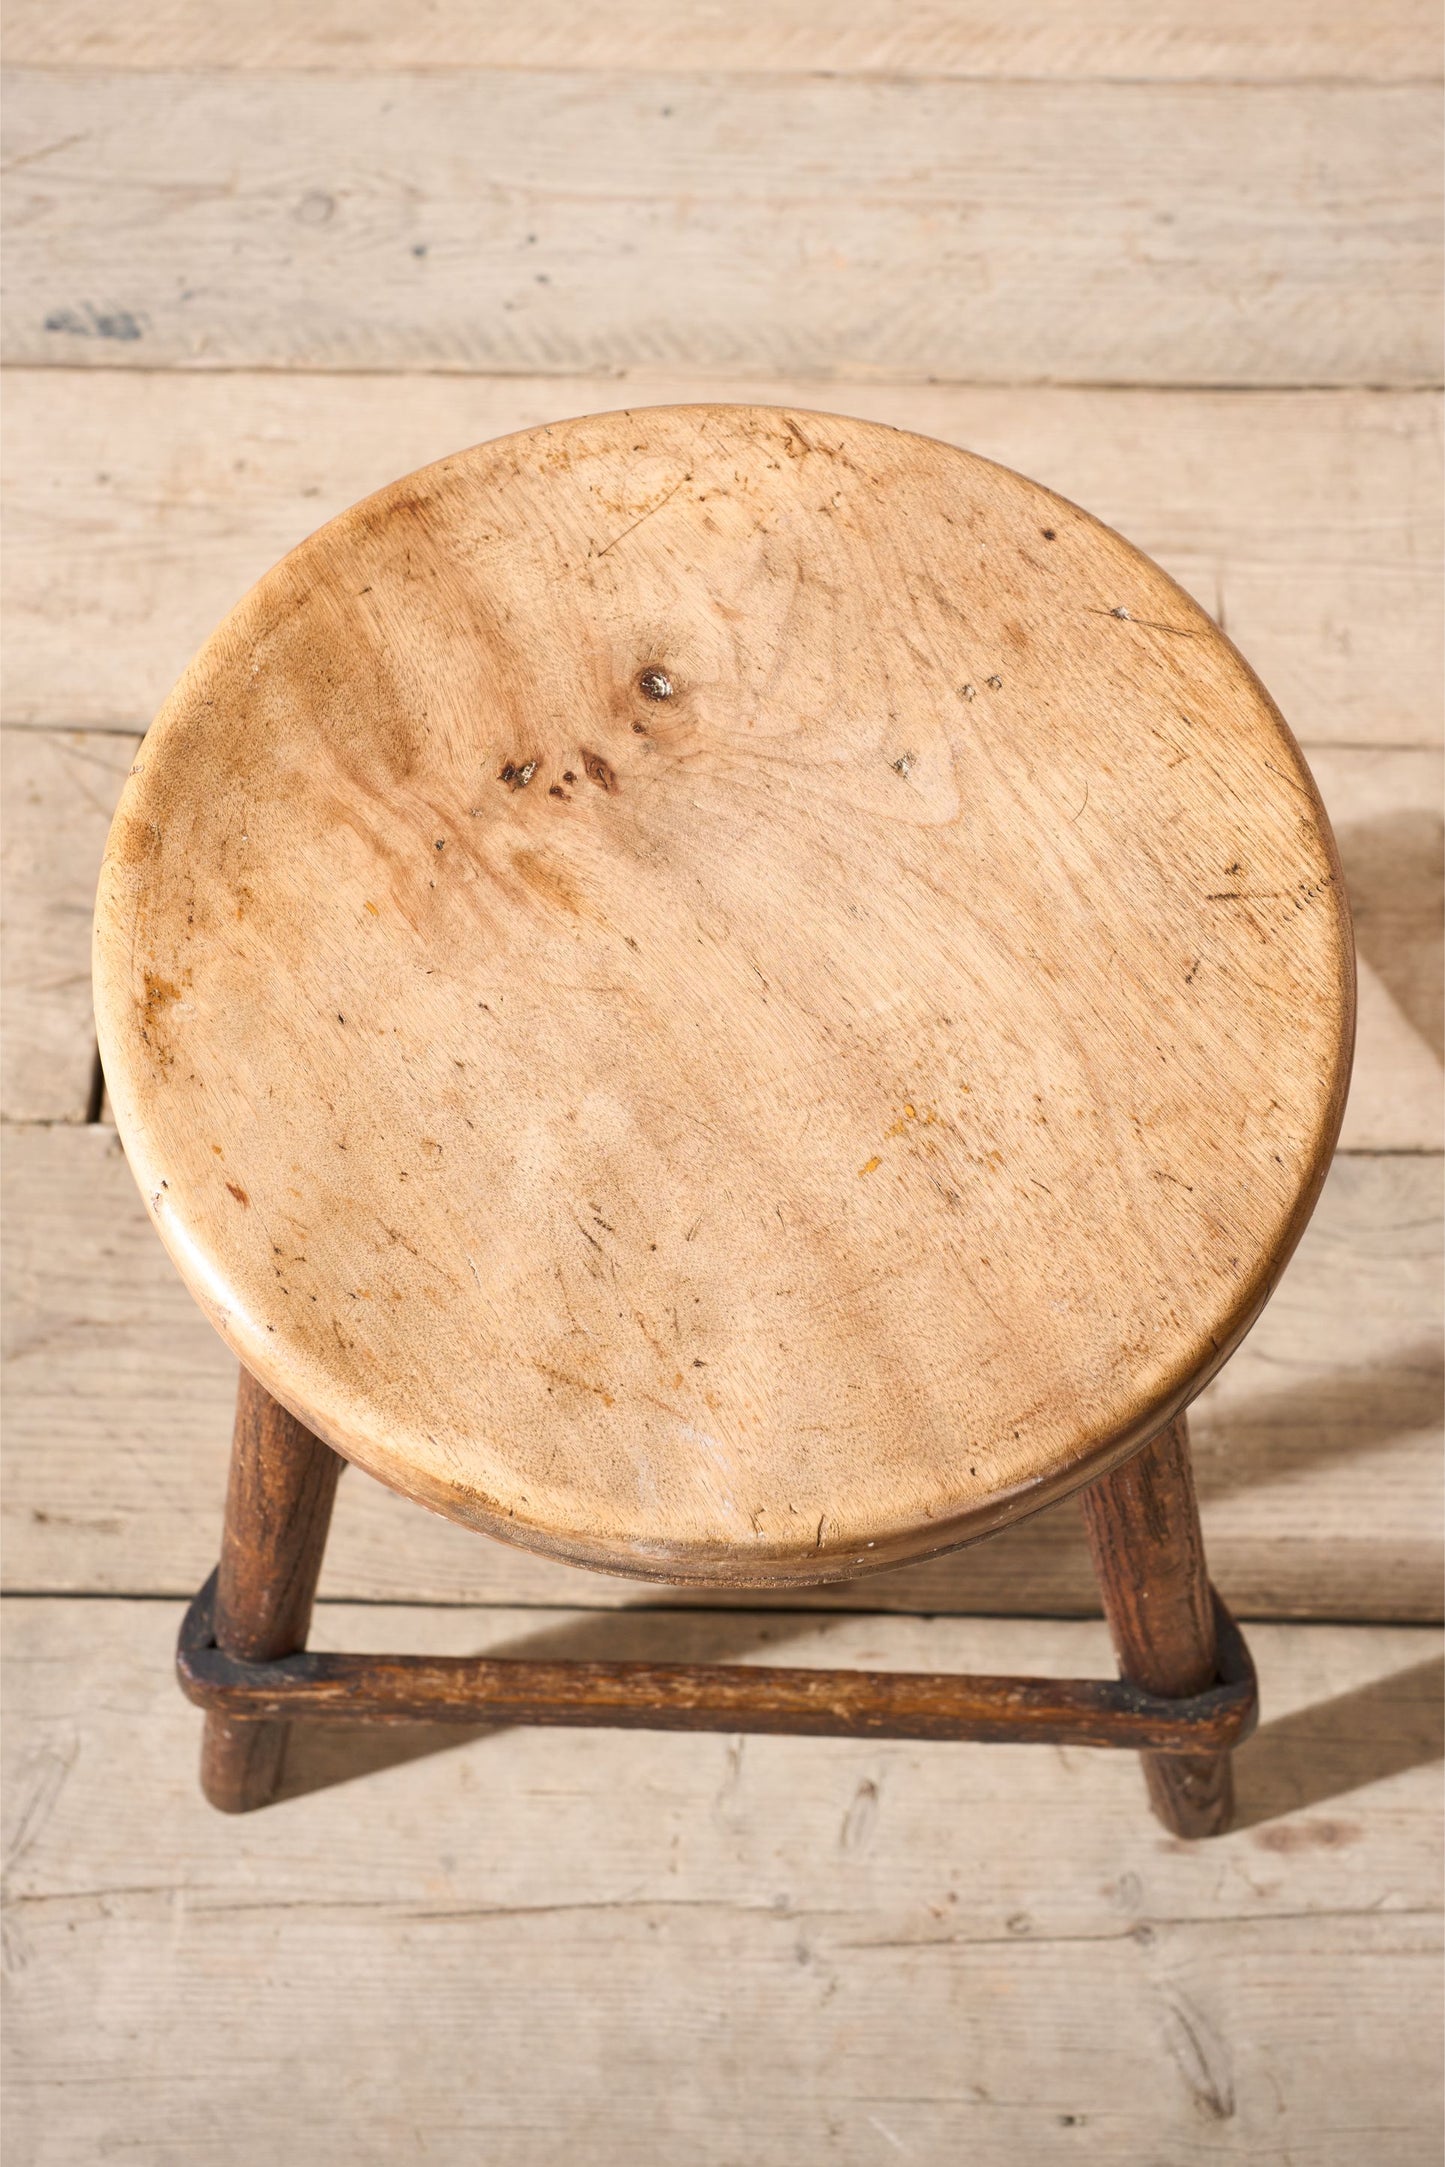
(555, 222)
(1385, 808)
(60, 790)
(915, 1925)
(1232, 41)
(142, 506)
(1317, 1450)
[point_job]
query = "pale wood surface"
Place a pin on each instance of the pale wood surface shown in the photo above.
(120, 1400)
(715, 1949)
(663, 1941)
(142, 505)
(1384, 803)
(513, 967)
(59, 792)
(1386, 811)
(553, 222)
(1233, 40)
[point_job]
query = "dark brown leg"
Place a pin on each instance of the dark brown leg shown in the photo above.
(1143, 1529)
(278, 1508)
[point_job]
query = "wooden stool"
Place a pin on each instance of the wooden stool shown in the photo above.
(736, 997)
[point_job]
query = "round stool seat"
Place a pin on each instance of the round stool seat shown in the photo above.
(729, 994)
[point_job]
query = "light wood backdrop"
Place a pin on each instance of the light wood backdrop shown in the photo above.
(1180, 263)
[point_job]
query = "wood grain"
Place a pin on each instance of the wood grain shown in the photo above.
(577, 1898)
(60, 790)
(278, 1507)
(1386, 810)
(1142, 1523)
(119, 1400)
(561, 222)
(1384, 804)
(590, 909)
(140, 505)
(1231, 41)
(772, 1700)
(181, 1989)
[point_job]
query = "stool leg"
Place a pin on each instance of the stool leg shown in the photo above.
(1143, 1527)
(278, 1509)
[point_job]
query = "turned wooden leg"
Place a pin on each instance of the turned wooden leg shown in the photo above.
(278, 1508)
(1143, 1529)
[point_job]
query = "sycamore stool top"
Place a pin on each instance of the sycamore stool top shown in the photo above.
(729, 994)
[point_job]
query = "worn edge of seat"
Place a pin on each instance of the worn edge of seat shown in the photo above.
(763, 1566)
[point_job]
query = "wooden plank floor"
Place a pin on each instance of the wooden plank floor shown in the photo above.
(536, 1946)
(1180, 263)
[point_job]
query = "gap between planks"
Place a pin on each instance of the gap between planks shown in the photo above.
(1317, 1449)
(60, 788)
(879, 1899)
(141, 506)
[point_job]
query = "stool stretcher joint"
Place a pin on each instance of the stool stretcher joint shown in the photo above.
(314, 1686)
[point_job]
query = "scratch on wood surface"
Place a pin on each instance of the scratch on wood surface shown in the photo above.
(1151, 624)
(46, 150)
(1201, 2057)
(648, 514)
(52, 1765)
(578, 1384)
